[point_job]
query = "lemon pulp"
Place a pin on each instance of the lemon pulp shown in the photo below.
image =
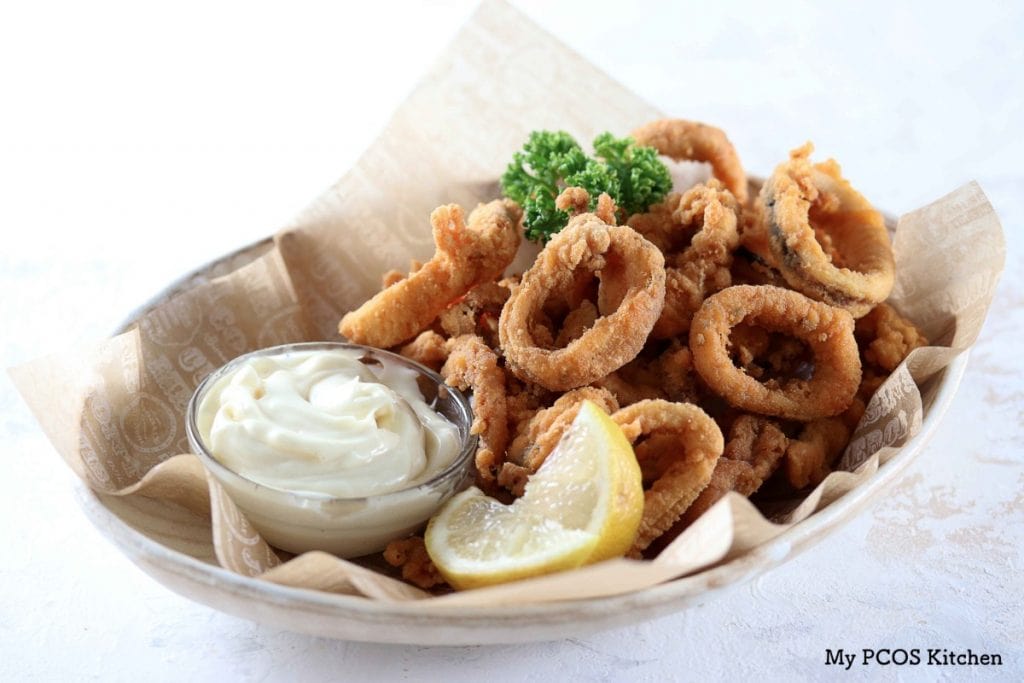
(583, 505)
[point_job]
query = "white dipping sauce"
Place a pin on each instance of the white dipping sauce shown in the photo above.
(321, 421)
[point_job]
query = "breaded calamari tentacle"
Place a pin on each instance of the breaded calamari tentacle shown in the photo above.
(668, 376)
(810, 456)
(410, 555)
(476, 313)
(888, 337)
(576, 323)
(428, 348)
(753, 452)
(466, 255)
(472, 365)
(576, 200)
(711, 214)
(624, 385)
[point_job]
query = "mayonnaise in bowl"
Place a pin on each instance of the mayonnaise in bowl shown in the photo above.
(330, 446)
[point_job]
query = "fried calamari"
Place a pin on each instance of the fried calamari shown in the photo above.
(695, 444)
(410, 555)
(827, 332)
(587, 244)
(826, 240)
(428, 348)
(705, 220)
(467, 255)
(698, 315)
(472, 365)
(692, 141)
(754, 451)
(888, 337)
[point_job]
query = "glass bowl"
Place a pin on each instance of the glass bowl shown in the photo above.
(348, 527)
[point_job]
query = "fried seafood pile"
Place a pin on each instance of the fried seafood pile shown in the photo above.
(734, 339)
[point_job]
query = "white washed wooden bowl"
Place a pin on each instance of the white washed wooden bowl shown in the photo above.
(173, 548)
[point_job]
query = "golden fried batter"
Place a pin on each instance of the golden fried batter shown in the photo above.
(753, 452)
(429, 348)
(466, 255)
(536, 437)
(410, 554)
(888, 336)
(472, 365)
(699, 445)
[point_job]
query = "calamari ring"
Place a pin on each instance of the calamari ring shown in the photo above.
(698, 446)
(827, 331)
(822, 235)
(692, 141)
(587, 243)
(466, 256)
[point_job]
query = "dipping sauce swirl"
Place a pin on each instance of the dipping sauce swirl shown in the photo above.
(322, 421)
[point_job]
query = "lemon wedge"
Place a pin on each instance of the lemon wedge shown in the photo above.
(583, 505)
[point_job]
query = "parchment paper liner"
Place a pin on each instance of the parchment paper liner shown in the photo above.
(116, 412)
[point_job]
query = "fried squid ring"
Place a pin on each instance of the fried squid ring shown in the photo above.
(827, 332)
(589, 244)
(822, 235)
(472, 365)
(697, 444)
(466, 255)
(691, 141)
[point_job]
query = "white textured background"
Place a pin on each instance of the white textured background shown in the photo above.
(136, 144)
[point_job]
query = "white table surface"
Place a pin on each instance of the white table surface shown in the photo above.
(188, 131)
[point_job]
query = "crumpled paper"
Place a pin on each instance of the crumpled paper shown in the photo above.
(116, 413)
